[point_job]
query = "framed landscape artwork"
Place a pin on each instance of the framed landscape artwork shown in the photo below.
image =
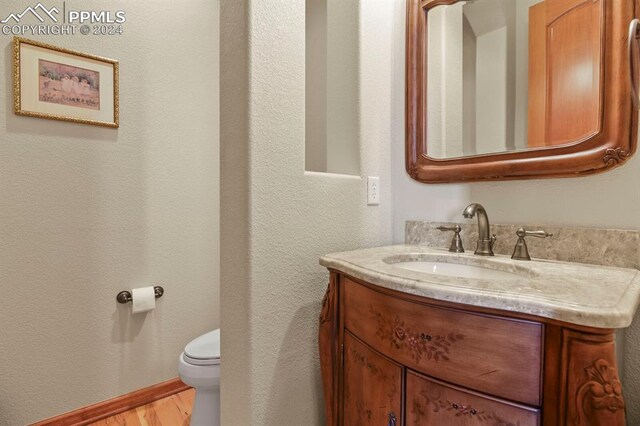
(61, 84)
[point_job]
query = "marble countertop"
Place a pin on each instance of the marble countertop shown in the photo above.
(589, 295)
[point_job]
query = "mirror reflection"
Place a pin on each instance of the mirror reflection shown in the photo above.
(505, 75)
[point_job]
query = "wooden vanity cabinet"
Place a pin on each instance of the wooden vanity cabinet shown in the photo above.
(391, 358)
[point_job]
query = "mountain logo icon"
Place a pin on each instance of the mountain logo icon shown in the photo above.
(38, 11)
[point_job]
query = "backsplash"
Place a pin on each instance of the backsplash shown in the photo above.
(607, 247)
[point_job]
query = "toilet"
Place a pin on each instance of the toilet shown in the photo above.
(199, 367)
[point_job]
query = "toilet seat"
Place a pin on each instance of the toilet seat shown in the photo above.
(204, 350)
(196, 361)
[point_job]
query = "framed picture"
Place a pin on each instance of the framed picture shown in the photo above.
(61, 84)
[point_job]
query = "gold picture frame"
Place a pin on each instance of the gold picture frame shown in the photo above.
(61, 84)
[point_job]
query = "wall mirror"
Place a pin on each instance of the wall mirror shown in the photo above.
(516, 89)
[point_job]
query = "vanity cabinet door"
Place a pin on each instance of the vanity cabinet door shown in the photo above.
(372, 387)
(430, 402)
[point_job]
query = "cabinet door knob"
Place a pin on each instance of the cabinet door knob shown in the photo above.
(392, 419)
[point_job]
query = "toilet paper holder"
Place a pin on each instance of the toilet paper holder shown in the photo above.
(125, 296)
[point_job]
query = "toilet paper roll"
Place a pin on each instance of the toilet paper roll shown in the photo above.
(144, 299)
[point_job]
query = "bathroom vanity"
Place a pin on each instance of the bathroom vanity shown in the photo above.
(419, 336)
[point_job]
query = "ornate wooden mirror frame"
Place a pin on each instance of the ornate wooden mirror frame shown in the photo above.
(610, 147)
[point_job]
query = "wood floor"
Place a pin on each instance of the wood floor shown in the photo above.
(174, 410)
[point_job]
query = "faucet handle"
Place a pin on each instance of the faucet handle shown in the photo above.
(456, 241)
(521, 233)
(521, 251)
(455, 229)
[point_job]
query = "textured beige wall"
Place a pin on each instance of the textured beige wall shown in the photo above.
(277, 220)
(609, 200)
(86, 212)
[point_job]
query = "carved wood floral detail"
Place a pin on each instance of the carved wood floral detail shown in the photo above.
(601, 391)
(364, 411)
(327, 306)
(457, 409)
(418, 344)
(614, 156)
(376, 371)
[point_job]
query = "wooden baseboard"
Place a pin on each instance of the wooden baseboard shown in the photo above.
(93, 413)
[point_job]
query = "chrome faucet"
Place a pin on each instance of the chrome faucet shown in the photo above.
(485, 239)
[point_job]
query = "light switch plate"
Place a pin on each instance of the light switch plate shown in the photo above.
(373, 191)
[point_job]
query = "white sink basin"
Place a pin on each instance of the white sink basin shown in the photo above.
(456, 270)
